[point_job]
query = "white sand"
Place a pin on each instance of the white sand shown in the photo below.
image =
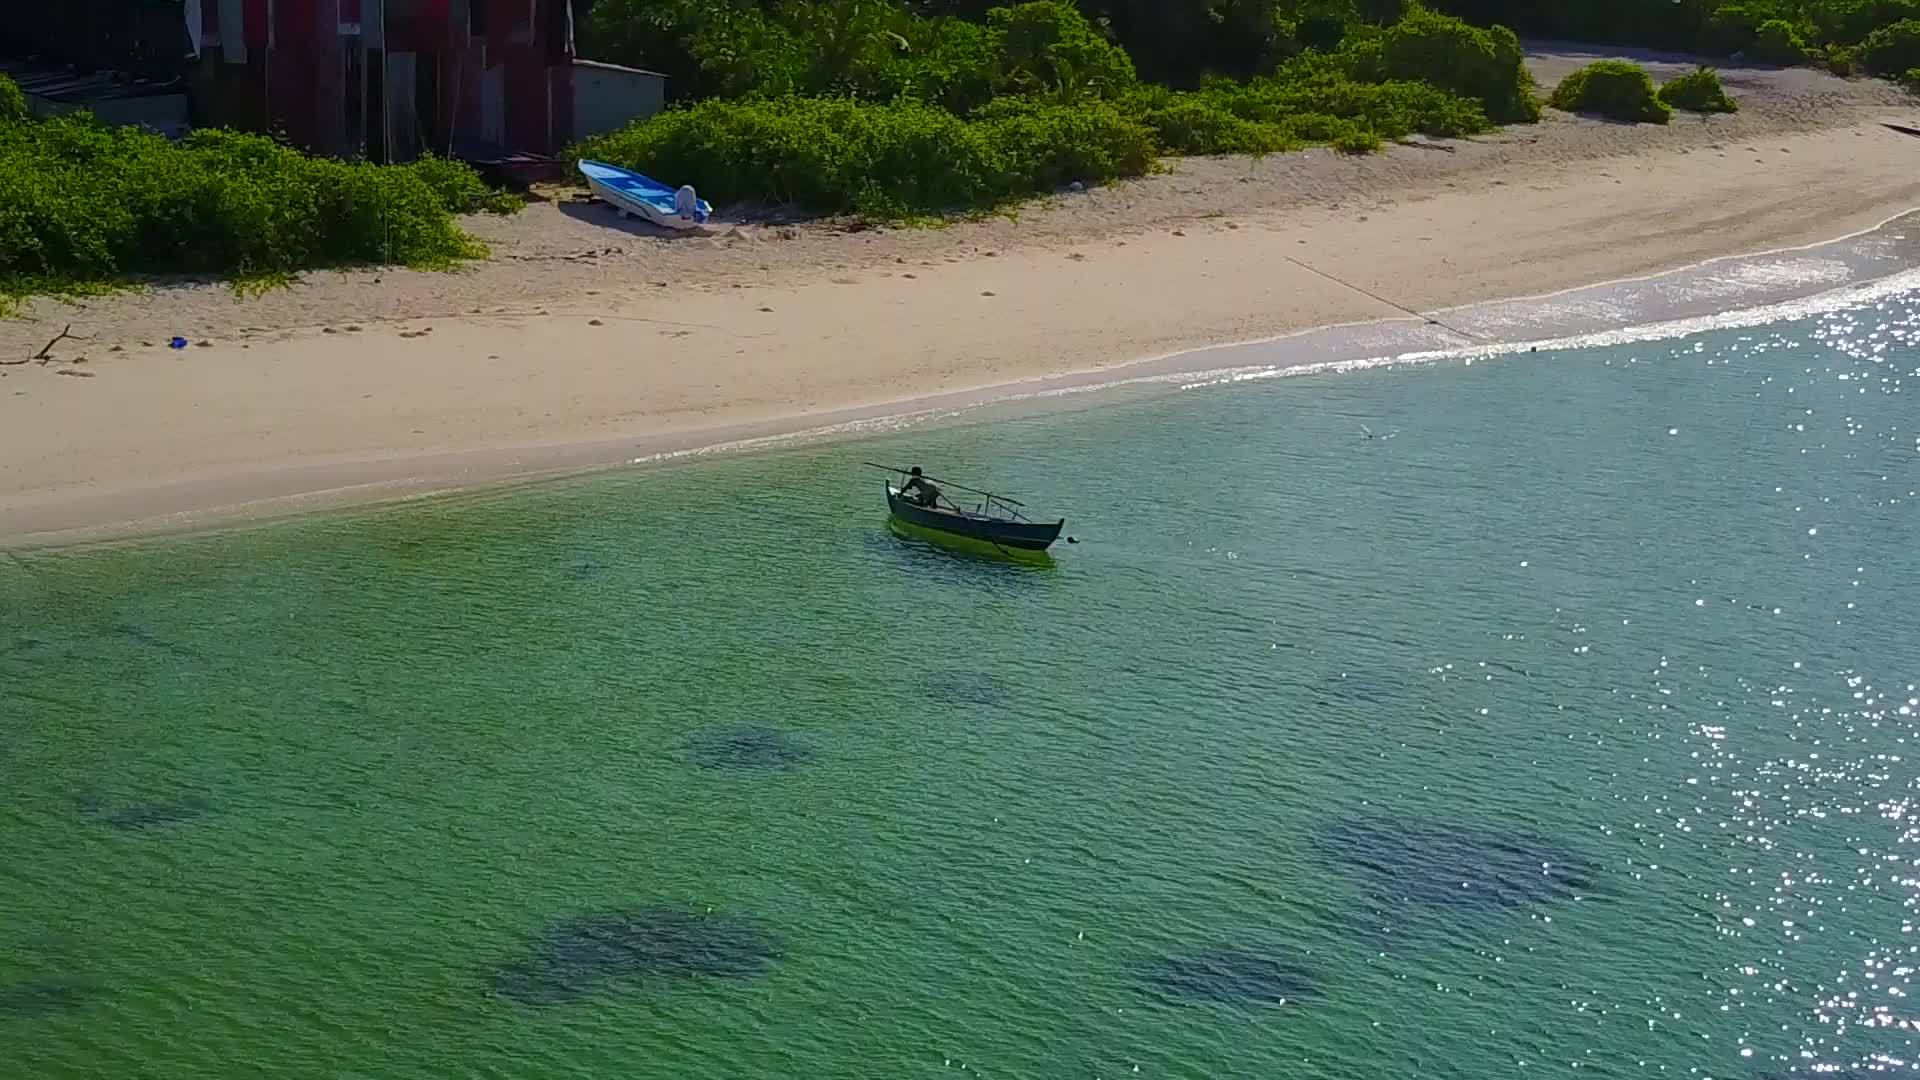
(583, 340)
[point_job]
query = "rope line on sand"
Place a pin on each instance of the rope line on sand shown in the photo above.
(1430, 320)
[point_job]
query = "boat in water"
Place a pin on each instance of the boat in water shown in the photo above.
(996, 525)
(643, 197)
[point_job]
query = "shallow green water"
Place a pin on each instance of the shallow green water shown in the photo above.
(1302, 717)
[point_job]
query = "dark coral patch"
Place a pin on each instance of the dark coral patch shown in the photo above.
(1455, 865)
(1232, 976)
(35, 998)
(589, 954)
(747, 746)
(1361, 688)
(967, 688)
(138, 816)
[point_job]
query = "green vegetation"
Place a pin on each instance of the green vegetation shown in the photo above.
(1698, 91)
(13, 102)
(875, 107)
(1776, 41)
(1833, 34)
(891, 160)
(89, 204)
(1615, 89)
(1893, 50)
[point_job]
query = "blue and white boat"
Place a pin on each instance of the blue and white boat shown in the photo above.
(646, 198)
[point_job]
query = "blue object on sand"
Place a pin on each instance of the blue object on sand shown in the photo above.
(641, 196)
(177, 343)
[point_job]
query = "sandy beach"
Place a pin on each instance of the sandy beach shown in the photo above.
(587, 341)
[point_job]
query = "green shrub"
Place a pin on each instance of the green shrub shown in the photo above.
(91, 203)
(1202, 124)
(1911, 80)
(1698, 91)
(460, 189)
(1732, 28)
(837, 154)
(1049, 47)
(13, 103)
(1841, 60)
(1486, 64)
(1849, 22)
(1892, 50)
(1616, 89)
(1777, 41)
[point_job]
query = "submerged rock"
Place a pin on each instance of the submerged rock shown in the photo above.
(589, 954)
(747, 746)
(1259, 976)
(1456, 865)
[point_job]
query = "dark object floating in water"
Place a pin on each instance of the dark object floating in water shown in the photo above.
(747, 746)
(137, 816)
(42, 997)
(1439, 865)
(1232, 976)
(995, 526)
(580, 956)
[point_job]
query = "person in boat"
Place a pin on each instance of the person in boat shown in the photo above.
(920, 491)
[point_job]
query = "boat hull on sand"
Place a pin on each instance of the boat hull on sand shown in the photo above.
(640, 196)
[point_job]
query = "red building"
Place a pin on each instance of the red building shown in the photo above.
(387, 80)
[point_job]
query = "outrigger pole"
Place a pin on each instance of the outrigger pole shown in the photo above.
(949, 483)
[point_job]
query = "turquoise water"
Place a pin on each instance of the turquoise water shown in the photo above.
(1562, 733)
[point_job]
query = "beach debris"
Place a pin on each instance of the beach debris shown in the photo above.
(1454, 865)
(595, 322)
(1179, 232)
(328, 330)
(1367, 433)
(914, 276)
(752, 747)
(353, 328)
(763, 307)
(1232, 976)
(118, 348)
(580, 956)
(46, 351)
(75, 374)
(43, 997)
(1076, 187)
(203, 343)
(986, 292)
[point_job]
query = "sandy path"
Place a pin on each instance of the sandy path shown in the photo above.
(580, 342)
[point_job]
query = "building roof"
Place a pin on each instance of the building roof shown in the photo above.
(578, 62)
(60, 84)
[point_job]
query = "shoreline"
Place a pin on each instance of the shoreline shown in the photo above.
(1876, 260)
(583, 343)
